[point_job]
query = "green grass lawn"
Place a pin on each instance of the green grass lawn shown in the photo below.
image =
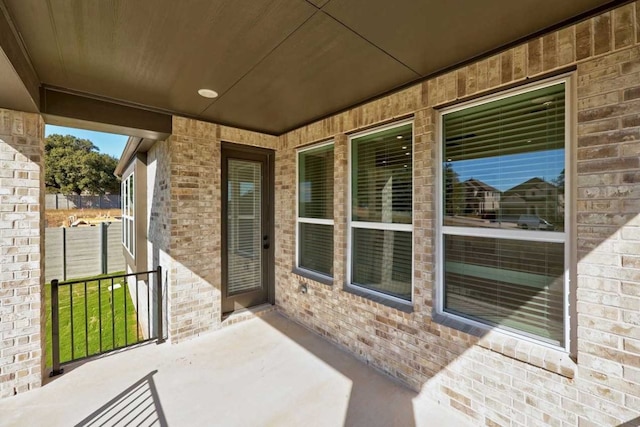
(99, 308)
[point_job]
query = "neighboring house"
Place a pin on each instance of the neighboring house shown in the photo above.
(535, 197)
(480, 198)
(341, 224)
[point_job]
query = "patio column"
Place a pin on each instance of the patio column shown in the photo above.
(193, 281)
(21, 252)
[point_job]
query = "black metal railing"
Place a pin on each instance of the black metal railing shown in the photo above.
(98, 315)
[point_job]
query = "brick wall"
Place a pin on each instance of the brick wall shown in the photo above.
(185, 227)
(492, 378)
(22, 256)
(495, 379)
(159, 218)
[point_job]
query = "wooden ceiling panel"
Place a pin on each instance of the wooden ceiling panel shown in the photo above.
(323, 67)
(154, 52)
(276, 64)
(429, 35)
(318, 3)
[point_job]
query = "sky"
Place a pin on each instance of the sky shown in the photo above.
(108, 143)
(505, 172)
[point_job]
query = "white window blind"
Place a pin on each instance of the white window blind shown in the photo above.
(381, 211)
(128, 213)
(503, 169)
(244, 219)
(315, 209)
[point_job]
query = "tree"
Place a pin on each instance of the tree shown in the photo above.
(559, 181)
(75, 166)
(454, 191)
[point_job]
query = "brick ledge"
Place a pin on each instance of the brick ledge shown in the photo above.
(553, 360)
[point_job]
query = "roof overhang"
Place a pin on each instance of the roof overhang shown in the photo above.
(277, 65)
(133, 146)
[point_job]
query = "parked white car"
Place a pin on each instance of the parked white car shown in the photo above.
(534, 222)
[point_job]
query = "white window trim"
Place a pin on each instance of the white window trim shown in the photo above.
(379, 225)
(124, 194)
(543, 236)
(304, 220)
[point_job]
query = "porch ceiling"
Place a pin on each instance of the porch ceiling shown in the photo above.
(277, 64)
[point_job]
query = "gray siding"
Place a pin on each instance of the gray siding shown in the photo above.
(73, 201)
(84, 256)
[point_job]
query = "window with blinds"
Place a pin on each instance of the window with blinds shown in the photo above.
(503, 212)
(381, 211)
(315, 209)
(128, 214)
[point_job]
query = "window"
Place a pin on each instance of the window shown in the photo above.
(315, 209)
(380, 228)
(502, 248)
(128, 229)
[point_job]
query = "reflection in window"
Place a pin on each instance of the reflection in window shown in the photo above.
(315, 209)
(503, 168)
(503, 163)
(382, 179)
(513, 283)
(381, 211)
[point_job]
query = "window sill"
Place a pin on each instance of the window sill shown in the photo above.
(550, 359)
(405, 307)
(316, 277)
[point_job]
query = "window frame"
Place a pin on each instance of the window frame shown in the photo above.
(566, 237)
(348, 284)
(128, 232)
(322, 277)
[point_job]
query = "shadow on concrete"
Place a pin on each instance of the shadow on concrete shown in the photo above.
(139, 404)
(375, 399)
(631, 423)
(70, 366)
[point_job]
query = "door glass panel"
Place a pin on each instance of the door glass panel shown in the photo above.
(244, 221)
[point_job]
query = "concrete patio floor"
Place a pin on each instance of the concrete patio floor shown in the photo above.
(266, 371)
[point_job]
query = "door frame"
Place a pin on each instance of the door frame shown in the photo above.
(228, 151)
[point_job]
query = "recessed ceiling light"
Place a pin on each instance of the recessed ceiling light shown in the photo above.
(399, 137)
(208, 93)
(404, 147)
(448, 160)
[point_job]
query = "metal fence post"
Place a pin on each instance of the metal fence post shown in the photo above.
(55, 330)
(160, 315)
(64, 253)
(103, 248)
